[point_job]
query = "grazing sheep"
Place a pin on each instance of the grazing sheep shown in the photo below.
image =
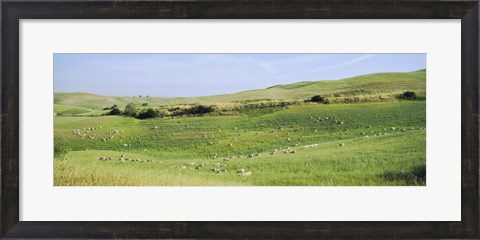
(289, 151)
(245, 174)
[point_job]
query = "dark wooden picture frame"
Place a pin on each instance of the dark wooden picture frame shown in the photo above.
(13, 11)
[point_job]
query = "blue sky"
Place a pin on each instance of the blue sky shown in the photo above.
(189, 75)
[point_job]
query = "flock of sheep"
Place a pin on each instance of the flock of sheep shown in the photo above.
(123, 159)
(87, 133)
(220, 168)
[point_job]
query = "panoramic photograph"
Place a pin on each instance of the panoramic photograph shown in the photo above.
(239, 119)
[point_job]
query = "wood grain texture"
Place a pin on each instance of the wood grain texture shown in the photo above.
(470, 121)
(261, 9)
(12, 11)
(9, 129)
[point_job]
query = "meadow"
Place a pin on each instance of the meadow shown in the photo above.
(365, 136)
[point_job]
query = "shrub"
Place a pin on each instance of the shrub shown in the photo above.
(319, 99)
(409, 95)
(200, 109)
(130, 110)
(144, 104)
(194, 110)
(115, 111)
(149, 113)
(59, 149)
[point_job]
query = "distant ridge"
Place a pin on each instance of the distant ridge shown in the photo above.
(388, 84)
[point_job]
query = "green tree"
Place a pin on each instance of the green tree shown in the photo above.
(130, 110)
(115, 111)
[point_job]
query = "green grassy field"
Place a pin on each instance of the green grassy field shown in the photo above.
(97, 102)
(374, 142)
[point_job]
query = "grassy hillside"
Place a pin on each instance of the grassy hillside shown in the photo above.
(384, 85)
(97, 102)
(381, 144)
(264, 137)
(371, 87)
(68, 110)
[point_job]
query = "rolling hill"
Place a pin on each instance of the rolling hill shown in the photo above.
(378, 85)
(98, 102)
